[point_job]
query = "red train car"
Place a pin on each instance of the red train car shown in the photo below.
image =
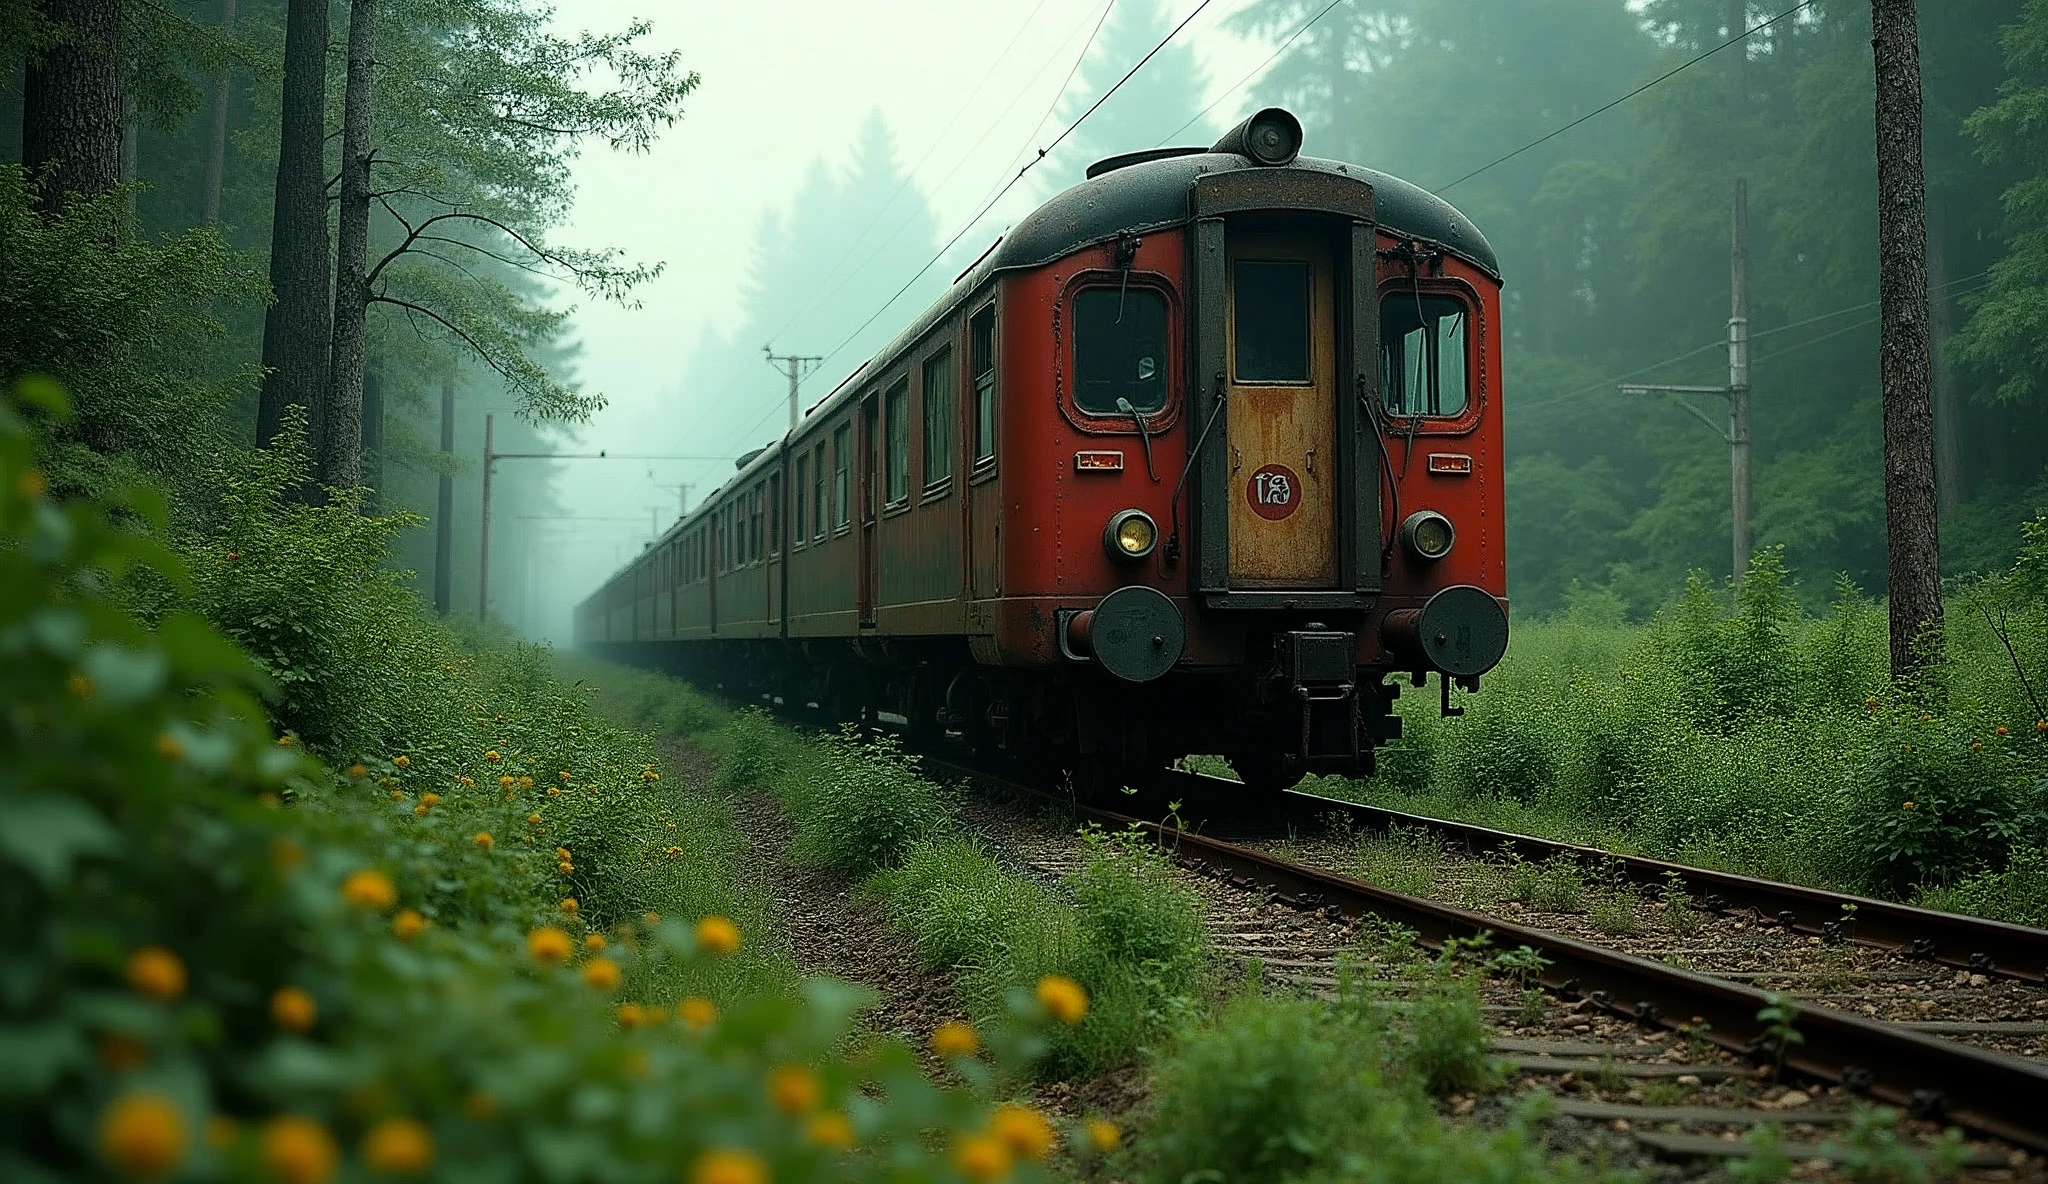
(1196, 459)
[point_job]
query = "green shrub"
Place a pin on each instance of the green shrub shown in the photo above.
(752, 751)
(2018, 894)
(862, 803)
(1501, 749)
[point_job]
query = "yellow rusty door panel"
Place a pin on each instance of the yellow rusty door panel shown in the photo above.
(1282, 413)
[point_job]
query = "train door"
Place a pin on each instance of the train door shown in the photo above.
(870, 495)
(1280, 324)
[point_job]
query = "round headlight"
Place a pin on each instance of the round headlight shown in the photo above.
(1131, 534)
(1428, 534)
(1274, 137)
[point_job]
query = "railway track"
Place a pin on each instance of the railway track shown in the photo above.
(1626, 1016)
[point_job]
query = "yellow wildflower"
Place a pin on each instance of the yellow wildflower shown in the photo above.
(358, 771)
(631, 1015)
(142, 1135)
(793, 1089)
(430, 798)
(1063, 998)
(525, 782)
(562, 854)
(408, 924)
(533, 819)
(567, 869)
(548, 944)
(156, 972)
(294, 1008)
(569, 904)
(718, 935)
(1103, 1135)
(483, 840)
(565, 774)
(724, 1165)
(696, 1013)
(982, 1158)
(675, 850)
(398, 1147)
(402, 761)
(298, 1150)
(492, 755)
(602, 973)
(419, 811)
(830, 1129)
(651, 917)
(369, 889)
(955, 1039)
(1907, 805)
(593, 942)
(1023, 1130)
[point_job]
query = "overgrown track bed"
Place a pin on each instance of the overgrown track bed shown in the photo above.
(1970, 944)
(1989, 1092)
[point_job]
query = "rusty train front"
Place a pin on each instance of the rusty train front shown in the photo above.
(1199, 458)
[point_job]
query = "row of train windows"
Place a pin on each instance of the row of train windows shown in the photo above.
(1121, 344)
(935, 392)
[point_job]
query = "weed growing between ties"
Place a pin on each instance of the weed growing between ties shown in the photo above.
(1737, 731)
(444, 961)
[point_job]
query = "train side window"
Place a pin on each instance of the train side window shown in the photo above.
(1120, 350)
(818, 523)
(1422, 354)
(800, 493)
(1269, 342)
(981, 364)
(938, 417)
(897, 459)
(775, 514)
(842, 490)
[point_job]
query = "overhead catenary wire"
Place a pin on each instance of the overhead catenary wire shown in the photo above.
(1254, 72)
(1606, 107)
(990, 204)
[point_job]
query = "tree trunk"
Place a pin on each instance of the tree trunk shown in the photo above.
(295, 326)
(444, 505)
(341, 450)
(1903, 365)
(71, 108)
(373, 436)
(217, 140)
(131, 151)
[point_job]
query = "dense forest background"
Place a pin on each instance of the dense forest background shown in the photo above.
(1613, 237)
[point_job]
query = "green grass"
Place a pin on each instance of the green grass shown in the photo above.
(1738, 731)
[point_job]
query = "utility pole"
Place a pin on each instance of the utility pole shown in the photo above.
(682, 489)
(799, 365)
(444, 503)
(1737, 390)
(492, 457)
(1911, 531)
(1738, 374)
(483, 559)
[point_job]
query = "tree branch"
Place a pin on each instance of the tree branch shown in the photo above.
(411, 308)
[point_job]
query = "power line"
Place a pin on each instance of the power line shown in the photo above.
(1610, 383)
(1255, 71)
(1625, 98)
(1011, 184)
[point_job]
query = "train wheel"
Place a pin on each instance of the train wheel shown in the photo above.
(1267, 771)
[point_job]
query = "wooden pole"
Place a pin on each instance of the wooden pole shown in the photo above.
(1738, 376)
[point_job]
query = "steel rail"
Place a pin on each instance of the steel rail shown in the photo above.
(1966, 943)
(1992, 1093)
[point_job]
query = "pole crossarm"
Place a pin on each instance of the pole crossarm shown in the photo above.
(597, 456)
(1727, 436)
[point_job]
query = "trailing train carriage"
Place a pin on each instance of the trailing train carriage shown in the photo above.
(1193, 460)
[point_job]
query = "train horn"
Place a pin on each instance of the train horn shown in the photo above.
(1272, 138)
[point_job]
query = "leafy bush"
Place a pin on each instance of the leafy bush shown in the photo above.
(1501, 749)
(861, 803)
(751, 750)
(1294, 1089)
(375, 971)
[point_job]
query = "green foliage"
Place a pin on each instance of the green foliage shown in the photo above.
(206, 938)
(862, 804)
(1293, 1089)
(120, 322)
(1130, 936)
(752, 751)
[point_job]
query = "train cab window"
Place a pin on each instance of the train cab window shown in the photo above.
(938, 418)
(897, 459)
(1120, 350)
(818, 490)
(842, 489)
(1270, 307)
(1422, 354)
(981, 363)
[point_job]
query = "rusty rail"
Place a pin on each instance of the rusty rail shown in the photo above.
(1993, 1093)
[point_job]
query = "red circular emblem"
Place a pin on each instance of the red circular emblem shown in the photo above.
(1274, 492)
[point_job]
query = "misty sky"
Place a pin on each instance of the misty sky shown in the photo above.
(783, 82)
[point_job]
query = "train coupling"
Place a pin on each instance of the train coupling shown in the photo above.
(1318, 666)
